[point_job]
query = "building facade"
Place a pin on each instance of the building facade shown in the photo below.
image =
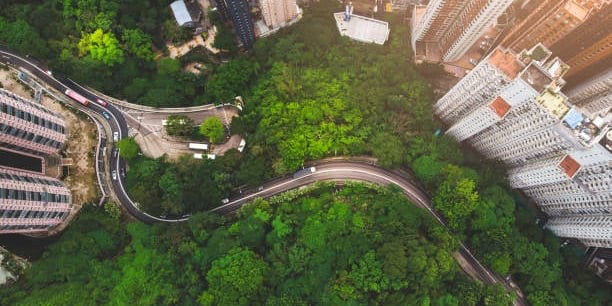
(31, 202)
(277, 13)
(588, 49)
(594, 95)
(548, 22)
(28, 127)
(510, 108)
(238, 12)
(453, 26)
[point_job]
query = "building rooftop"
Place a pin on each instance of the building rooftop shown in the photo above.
(500, 106)
(577, 10)
(535, 77)
(554, 103)
(183, 14)
(363, 29)
(506, 62)
(569, 166)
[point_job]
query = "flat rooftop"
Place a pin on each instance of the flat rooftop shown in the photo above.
(500, 106)
(506, 62)
(569, 166)
(554, 103)
(363, 29)
(576, 9)
(535, 77)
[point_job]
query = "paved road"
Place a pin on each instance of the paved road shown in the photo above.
(330, 171)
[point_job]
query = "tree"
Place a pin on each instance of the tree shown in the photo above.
(234, 279)
(213, 129)
(169, 66)
(101, 46)
(225, 40)
(388, 148)
(138, 43)
(128, 148)
(179, 125)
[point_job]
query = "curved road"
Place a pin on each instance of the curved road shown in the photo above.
(328, 171)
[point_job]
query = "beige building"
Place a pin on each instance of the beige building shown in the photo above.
(548, 22)
(277, 13)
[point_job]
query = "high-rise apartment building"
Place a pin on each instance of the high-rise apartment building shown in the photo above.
(276, 13)
(548, 21)
(453, 26)
(238, 12)
(592, 230)
(510, 108)
(31, 202)
(588, 49)
(595, 94)
(28, 127)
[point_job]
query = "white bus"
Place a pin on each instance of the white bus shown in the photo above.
(198, 146)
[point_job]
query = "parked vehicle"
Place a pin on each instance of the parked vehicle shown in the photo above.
(225, 201)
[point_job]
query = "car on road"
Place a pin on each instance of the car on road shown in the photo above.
(101, 102)
(304, 172)
(115, 136)
(106, 115)
(260, 188)
(122, 172)
(115, 153)
(114, 173)
(49, 72)
(225, 201)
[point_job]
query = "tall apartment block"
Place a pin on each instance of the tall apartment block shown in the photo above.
(453, 26)
(549, 21)
(31, 202)
(595, 94)
(238, 12)
(510, 108)
(277, 13)
(27, 127)
(588, 49)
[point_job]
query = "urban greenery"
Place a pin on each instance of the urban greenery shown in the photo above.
(471, 194)
(309, 94)
(213, 129)
(349, 246)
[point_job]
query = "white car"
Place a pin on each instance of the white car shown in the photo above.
(114, 175)
(225, 201)
(115, 136)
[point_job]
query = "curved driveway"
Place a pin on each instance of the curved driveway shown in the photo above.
(329, 171)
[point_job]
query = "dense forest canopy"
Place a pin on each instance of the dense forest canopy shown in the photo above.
(349, 246)
(309, 93)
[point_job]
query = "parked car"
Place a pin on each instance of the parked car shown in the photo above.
(225, 201)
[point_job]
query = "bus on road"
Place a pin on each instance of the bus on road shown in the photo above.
(198, 146)
(75, 96)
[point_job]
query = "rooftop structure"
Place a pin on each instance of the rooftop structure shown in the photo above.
(277, 13)
(362, 29)
(186, 14)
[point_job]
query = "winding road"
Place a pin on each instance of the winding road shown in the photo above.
(325, 171)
